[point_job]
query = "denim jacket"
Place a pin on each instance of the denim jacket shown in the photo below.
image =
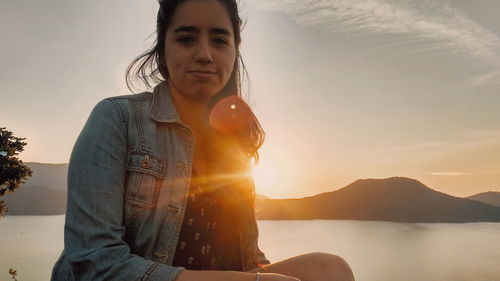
(128, 182)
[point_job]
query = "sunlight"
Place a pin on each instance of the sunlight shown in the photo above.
(265, 177)
(273, 175)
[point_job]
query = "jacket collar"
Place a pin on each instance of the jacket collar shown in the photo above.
(163, 107)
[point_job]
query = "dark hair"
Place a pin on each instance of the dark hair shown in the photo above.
(150, 67)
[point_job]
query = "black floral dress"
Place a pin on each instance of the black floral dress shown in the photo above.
(209, 238)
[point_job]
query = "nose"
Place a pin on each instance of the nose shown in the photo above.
(203, 52)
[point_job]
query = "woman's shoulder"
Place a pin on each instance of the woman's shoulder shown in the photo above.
(124, 101)
(144, 96)
(122, 106)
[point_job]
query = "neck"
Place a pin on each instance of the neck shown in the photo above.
(192, 111)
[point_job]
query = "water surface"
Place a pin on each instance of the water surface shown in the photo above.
(375, 250)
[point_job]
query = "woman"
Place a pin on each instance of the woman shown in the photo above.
(157, 182)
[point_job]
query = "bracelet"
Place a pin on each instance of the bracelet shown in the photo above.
(258, 276)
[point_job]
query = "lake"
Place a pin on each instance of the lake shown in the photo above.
(375, 250)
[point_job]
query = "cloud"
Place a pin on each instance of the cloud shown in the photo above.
(448, 174)
(438, 26)
(491, 80)
(469, 139)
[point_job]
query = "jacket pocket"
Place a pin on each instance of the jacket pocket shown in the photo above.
(145, 172)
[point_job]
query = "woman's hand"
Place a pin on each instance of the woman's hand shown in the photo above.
(201, 275)
(276, 277)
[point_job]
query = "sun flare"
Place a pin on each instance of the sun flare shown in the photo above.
(273, 176)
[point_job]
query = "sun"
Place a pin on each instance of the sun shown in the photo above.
(265, 177)
(272, 176)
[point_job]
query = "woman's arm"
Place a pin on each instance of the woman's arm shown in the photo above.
(195, 275)
(94, 227)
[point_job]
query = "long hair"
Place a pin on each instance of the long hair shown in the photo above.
(150, 69)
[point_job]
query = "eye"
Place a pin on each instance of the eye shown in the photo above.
(185, 40)
(220, 41)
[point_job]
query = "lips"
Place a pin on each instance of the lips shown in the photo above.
(203, 70)
(202, 73)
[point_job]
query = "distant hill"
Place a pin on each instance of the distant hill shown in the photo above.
(490, 197)
(36, 200)
(42, 194)
(260, 197)
(394, 199)
(45, 192)
(51, 176)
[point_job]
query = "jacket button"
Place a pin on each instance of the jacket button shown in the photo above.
(145, 163)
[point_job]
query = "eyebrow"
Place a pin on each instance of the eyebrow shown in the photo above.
(193, 29)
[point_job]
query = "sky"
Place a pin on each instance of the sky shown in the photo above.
(345, 89)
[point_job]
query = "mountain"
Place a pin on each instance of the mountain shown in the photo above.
(52, 176)
(36, 200)
(394, 199)
(490, 197)
(42, 194)
(45, 192)
(260, 197)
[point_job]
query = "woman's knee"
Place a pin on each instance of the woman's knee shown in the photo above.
(329, 266)
(315, 266)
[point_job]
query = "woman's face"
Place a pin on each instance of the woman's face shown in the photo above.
(200, 50)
